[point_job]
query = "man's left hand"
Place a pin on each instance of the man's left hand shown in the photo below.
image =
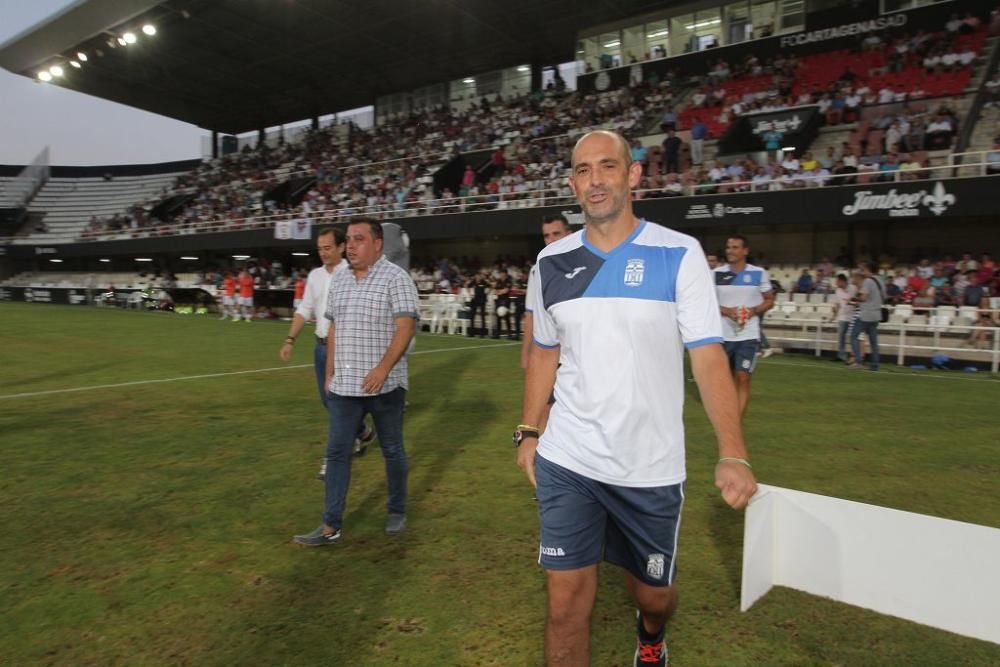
(737, 483)
(373, 382)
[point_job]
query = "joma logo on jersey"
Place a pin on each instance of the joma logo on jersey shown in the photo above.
(634, 271)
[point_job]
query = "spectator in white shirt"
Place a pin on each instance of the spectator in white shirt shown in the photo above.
(939, 133)
(673, 186)
(851, 104)
(760, 179)
(892, 138)
(717, 172)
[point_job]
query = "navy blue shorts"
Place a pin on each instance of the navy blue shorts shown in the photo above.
(585, 521)
(742, 354)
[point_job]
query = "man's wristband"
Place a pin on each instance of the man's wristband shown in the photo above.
(523, 432)
(290, 340)
(735, 459)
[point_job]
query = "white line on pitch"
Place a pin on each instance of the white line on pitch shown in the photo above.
(227, 374)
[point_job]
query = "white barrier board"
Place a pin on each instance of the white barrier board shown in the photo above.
(941, 573)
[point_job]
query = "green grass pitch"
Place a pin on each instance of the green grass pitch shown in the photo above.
(150, 523)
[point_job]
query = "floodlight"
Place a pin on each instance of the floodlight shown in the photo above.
(189, 258)
(81, 56)
(468, 80)
(74, 64)
(144, 259)
(121, 41)
(44, 76)
(129, 37)
(149, 29)
(56, 70)
(57, 261)
(300, 254)
(106, 261)
(523, 68)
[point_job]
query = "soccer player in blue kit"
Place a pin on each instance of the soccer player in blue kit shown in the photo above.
(617, 303)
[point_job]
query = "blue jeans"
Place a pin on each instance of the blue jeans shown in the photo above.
(842, 329)
(346, 415)
(870, 329)
(319, 365)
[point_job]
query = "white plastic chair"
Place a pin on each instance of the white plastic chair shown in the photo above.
(904, 309)
(949, 311)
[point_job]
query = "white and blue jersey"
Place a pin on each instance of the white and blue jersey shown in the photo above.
(622, 320)
(741, 288)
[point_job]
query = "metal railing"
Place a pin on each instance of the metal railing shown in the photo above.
(980, 167)
(552, 196)
(901, 338)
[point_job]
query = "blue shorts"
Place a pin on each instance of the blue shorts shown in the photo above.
(742, 354)
(585, 521)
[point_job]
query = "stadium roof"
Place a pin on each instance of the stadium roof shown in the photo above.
(240, 65)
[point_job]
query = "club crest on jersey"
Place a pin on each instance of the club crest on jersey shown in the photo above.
(747, 278)
(654, 566)
(635, 269)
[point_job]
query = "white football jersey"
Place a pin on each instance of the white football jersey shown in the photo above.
(621, 321)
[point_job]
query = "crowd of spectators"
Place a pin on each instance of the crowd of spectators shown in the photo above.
(388, 170)
(882, 68)
(927, 284)
(947, 282)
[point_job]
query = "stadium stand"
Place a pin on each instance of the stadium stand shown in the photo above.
(66, 205)
(903, 86)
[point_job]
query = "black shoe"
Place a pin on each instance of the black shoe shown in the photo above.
(648, 653)
(317, 538)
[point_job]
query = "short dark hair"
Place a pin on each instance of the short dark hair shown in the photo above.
(339, 237)
(872, 266)
(842, 276)
(373, 226)
(556, 217)
(739, 237)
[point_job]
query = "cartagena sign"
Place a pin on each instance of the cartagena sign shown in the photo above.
(845, 30)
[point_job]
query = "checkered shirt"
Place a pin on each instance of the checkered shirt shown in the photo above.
(364, 313)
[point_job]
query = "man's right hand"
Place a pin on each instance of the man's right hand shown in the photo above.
(286, 351)
(526, 458)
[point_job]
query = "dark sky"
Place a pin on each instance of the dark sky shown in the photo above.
(79, 129)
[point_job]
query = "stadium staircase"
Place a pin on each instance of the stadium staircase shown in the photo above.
(66, 205)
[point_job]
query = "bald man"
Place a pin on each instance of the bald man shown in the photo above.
(617, 302)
